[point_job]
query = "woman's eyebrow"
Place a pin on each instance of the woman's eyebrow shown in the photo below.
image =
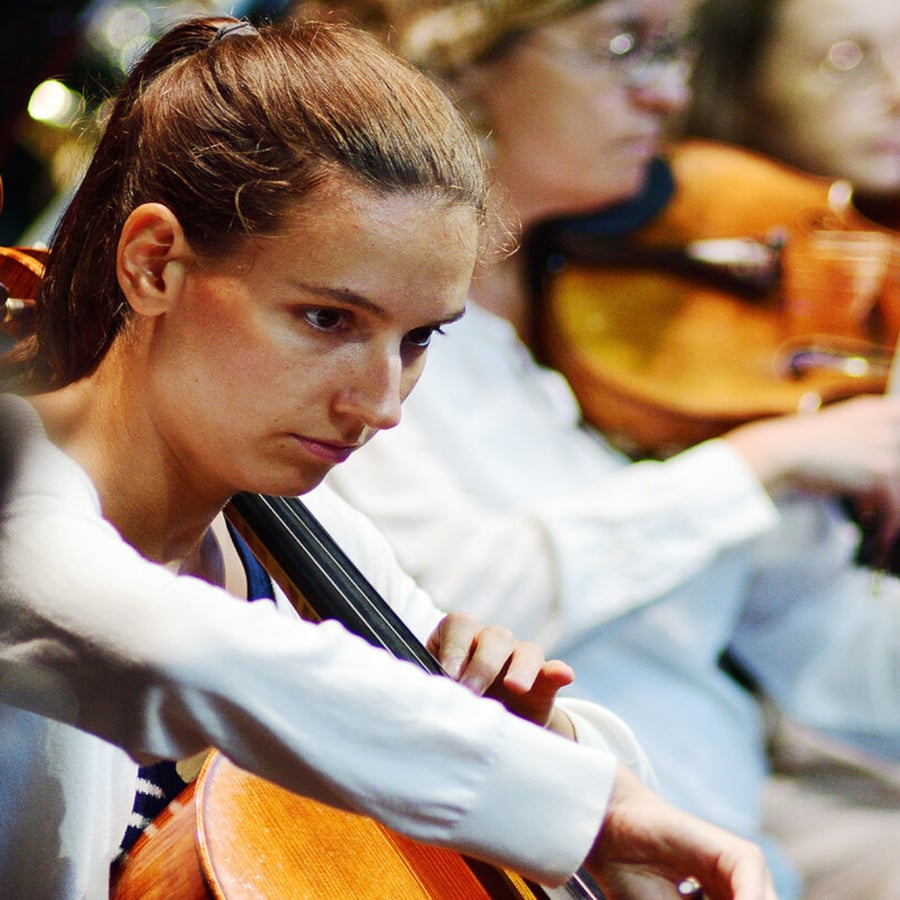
(340, 295)
(352, 298)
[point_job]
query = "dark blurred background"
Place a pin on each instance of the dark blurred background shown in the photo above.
(60, 60)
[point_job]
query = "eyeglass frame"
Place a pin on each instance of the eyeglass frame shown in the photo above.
(873, 63)
(639, 64)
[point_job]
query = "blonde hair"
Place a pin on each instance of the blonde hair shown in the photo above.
(444, 36)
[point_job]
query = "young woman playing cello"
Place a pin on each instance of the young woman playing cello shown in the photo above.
(239, 296)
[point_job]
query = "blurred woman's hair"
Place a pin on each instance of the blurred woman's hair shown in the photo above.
(731, 37)
(443, 37)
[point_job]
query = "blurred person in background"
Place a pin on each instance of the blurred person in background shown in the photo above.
(643, 575)
(815, 83)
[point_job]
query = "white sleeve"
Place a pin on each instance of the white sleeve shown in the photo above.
(164, 665)
(551, 567)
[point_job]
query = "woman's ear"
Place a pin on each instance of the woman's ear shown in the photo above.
(152, 258)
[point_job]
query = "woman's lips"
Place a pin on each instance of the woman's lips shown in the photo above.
(325, 450)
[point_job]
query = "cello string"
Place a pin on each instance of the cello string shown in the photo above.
(311, 542)
(343, 564)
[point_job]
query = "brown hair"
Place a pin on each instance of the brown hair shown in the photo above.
(228, 126)
(449, 36)
(731, 37)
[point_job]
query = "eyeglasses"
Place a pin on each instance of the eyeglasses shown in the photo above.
(860, 63)
(632, 59)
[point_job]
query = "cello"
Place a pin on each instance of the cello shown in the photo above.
(748, 289)
(232, 831)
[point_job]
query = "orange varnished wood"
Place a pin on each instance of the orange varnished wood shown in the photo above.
(236, 836)
(21, 271)
(660, 360)
(164, 863)
(285, 846)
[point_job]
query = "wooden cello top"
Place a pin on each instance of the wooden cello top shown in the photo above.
(236, 836)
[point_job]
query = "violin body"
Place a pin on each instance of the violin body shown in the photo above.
(677, 333)
(21, 271)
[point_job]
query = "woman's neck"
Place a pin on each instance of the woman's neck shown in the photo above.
(154, 507)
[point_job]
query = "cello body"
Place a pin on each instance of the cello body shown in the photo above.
(234, 835)
(755, 291)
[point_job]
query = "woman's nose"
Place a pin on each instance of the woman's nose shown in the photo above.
(667, 91)
(375, 391)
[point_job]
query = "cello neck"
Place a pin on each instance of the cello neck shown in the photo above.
(319, 578)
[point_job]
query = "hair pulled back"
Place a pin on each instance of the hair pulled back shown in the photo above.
(229, 126)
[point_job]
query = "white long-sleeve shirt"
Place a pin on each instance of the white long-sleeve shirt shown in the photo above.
(496, 499)
(491, 490)
(107, 660)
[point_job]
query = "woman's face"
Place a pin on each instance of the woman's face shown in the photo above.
(271, 367)
(829, 90)
(573, 121)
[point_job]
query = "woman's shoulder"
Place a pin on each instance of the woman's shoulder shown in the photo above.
(41, 470)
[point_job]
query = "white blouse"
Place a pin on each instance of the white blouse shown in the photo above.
(107, 661)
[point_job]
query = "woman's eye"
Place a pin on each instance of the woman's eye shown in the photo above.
(324, 319)
(421, 337)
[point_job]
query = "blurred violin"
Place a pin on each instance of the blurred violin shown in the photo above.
(749, 290)
(21, 271)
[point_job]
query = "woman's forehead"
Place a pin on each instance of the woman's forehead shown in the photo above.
(344, 191)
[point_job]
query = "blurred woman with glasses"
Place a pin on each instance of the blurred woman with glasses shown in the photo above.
(815, 83)
(640, 575)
